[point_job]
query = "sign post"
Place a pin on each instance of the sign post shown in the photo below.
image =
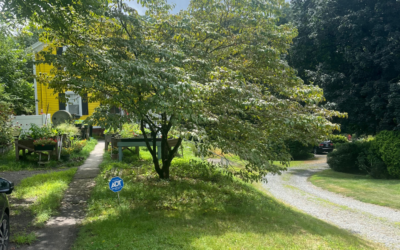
(116, 184)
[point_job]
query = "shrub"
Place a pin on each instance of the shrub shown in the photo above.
(69, 129)
(344, 157)
(299, 151)
(372, 164)
(78, 146)
(358, 157)
(338, 139)
(387, 146)
(66, 151)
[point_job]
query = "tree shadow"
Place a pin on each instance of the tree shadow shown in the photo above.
(194, 213)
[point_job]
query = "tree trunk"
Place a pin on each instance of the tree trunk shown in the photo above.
(167, 154)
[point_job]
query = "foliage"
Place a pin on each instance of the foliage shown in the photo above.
(115, 151)
(130, 130)
(387, 146)
(67, 151)
(68, 129)
(79, 122)
(198, 208)
(344, 157)
(36, 132)
(48, 191)
(23, 238)
(370, 162)
(336, 139)
(214, 73)
(15, 74)
(45, 141)
(359, 156)
(299, 151)
(360, 187)
(5, 121)
(8, 163)
(111, 131)
(77, 146)
(350, 48)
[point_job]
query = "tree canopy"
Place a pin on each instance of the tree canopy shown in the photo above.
(351, 50)
(214, 73)
(16, 74)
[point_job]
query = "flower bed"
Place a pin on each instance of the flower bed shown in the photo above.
(45, 144)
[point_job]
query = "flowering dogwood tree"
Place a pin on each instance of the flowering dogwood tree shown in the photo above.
(214, 73)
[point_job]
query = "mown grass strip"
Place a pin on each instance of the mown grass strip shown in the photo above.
(46, 191)
(363, 188)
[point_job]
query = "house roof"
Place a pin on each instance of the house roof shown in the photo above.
(37, 47)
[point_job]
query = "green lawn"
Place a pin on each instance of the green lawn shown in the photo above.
(360, 187)
(198, 208)
(46, 190)
(8, 162)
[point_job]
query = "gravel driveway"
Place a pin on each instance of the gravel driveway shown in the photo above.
(372, 222)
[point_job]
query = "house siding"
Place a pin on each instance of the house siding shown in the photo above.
(47, 97)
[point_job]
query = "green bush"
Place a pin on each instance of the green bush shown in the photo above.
(299, 151)
(387, 146)
(372, 164)
(337, 139)
(344, 157)
(358, 157)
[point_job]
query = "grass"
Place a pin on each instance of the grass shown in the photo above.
(46, 191)
(24, 238)
(360, 187)
(8, 162)
(237, 163)
(198, 208)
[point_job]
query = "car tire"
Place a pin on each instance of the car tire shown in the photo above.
(4, 232)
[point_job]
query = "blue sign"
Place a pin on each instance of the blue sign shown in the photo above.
(116, 184)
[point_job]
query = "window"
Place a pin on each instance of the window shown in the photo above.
(74, 103)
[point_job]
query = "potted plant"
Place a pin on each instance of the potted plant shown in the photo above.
(79, 123)
(66, 153)
(108, 133)
(114, 153)
(16, 131)
(45, 144)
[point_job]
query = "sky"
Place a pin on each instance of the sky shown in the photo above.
(179, 5)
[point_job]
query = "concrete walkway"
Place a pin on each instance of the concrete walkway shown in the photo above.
(60, 232)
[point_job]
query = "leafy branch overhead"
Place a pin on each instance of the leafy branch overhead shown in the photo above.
(214, 73)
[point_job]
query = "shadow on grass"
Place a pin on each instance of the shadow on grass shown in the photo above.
(196, 210)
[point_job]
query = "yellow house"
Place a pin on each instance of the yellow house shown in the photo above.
(47, 99)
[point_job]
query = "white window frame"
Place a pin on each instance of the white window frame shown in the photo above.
(79, 99)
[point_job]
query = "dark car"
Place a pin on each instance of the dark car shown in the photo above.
(6, 187)
(325, 146)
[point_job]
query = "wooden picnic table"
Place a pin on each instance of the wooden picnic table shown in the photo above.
(140, 142)
(136, 142)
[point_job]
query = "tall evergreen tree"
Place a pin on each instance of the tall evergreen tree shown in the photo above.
(350, 49)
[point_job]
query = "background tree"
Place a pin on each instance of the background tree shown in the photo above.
(5, 117)
(16, 74)
(351, 50)
(214, 73)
